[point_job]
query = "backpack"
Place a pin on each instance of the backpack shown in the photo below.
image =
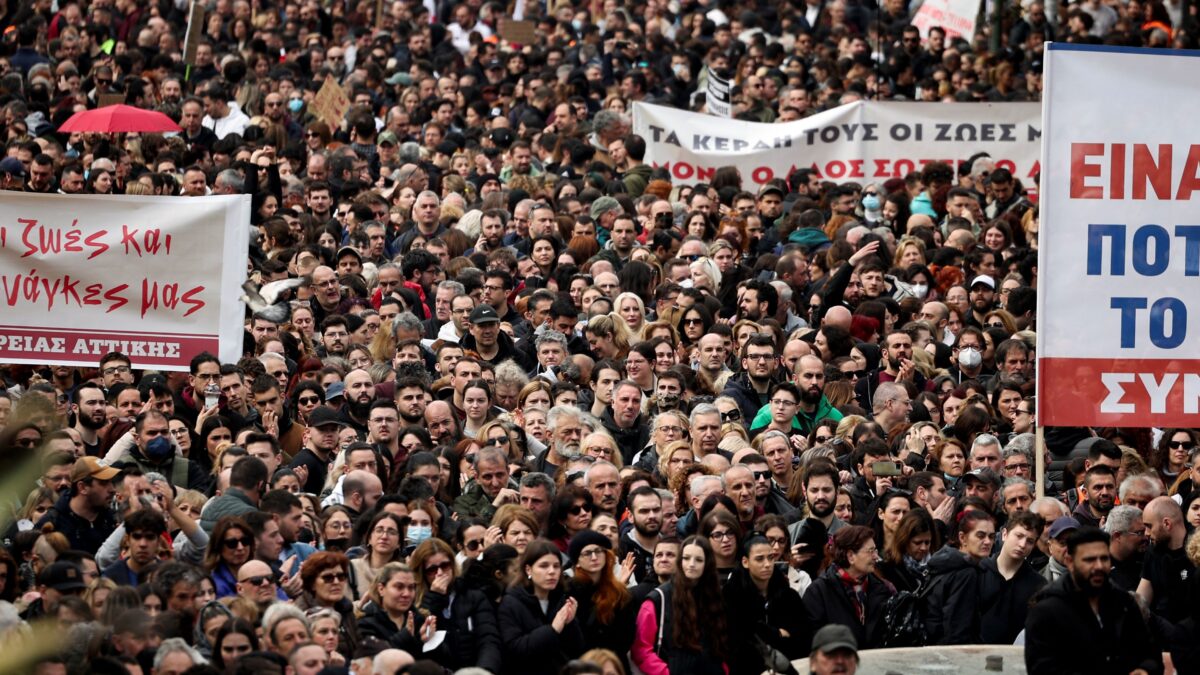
(904, 617)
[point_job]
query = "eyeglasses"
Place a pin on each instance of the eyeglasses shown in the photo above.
(727, 534)
(691, 258)
(333, 577)
(308, 400)
(670, 428)
(234, 543)
(444, 566)
(693, 322)
(273, 104)
(822, 439)
(731, 416)
(855, 374)
(310, 134)
(1021, 466)
(759, 357)
(498, 441)
(259, 580)
(474, 544)
(592, 552)
(338, 525)
(1186, 445)
(762, 475)
(579, 509)
(783, 402)
(995, 324)
(114, 370)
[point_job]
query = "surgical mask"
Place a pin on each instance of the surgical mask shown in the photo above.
(577, 25)
(418, 534)
(295, 104)
(871, 202)
(680, 70)
(969, 358)
(159, 449)
(920, 290)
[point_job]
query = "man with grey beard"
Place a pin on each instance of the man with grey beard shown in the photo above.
(566, 433)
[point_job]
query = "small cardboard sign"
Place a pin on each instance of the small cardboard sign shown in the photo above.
(195, 26)
(331, 103)
(105, 100)
(519, 32)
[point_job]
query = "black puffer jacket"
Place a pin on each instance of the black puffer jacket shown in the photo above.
(531, 645)
(753, 615)
(617, 634)
(829, 601)
(472, 637)
(952, 606)
(375, 623)
(630, 440)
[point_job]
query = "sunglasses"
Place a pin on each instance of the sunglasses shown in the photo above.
(691, 258)
(762, 475)
(731, 416)
(259, 580)
(693, 322)
(235, 542)
(579, 509)
(474, 544)
(444, 566)
(333, 577)
(822, 439)
(308, 400)
(1186, 445)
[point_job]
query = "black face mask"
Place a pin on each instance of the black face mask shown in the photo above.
(339, 545)
(305, 536)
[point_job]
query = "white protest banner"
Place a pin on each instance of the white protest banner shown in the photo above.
(156, 278)
(717, 95)
(862, 141)
(1119, 251)
(956, 17)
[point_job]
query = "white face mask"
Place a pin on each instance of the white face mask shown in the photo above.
(920, 290)
(969, 359)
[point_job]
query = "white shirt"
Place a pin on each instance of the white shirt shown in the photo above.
(233, 123)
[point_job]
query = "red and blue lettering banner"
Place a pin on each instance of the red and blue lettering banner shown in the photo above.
(1119, 257)
(865, 141)
(156, 278)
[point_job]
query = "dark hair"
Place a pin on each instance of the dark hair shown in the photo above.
(847, 540)
(693, 625)
(1085, 535)
(233, 625)
(563, 502)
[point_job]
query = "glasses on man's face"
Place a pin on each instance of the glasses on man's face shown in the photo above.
(783, 402)
(258, 580)
(116, 370)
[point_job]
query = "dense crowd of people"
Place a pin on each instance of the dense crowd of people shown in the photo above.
(527, 405)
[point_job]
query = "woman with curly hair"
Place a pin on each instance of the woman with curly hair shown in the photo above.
(692, 603)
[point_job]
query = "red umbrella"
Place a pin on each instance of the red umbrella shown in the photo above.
(115, 119)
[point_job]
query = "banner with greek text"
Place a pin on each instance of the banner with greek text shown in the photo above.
(156, 278)
(1120, 245)
(865, 141)
(956, 17)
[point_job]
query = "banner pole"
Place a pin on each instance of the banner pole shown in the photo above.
(1039, 460)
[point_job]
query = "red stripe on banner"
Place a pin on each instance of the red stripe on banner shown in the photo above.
(56, 346)
(1119, 392)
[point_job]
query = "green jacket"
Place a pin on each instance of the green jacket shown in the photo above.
(636, 179)
(474, 502)
(802, 421)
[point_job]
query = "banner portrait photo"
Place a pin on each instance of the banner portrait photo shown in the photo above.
(865, 141)
(1118, 341)
(156, 278)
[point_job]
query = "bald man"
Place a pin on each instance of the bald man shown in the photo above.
(256, 583)
(839, 316)
(1166, 571)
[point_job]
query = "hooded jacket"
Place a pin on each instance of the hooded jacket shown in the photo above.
(630, 440)
(636, 179)
(507, 349)
(804, 422)
(1064, 637)
(741, 389)
(952, 606)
